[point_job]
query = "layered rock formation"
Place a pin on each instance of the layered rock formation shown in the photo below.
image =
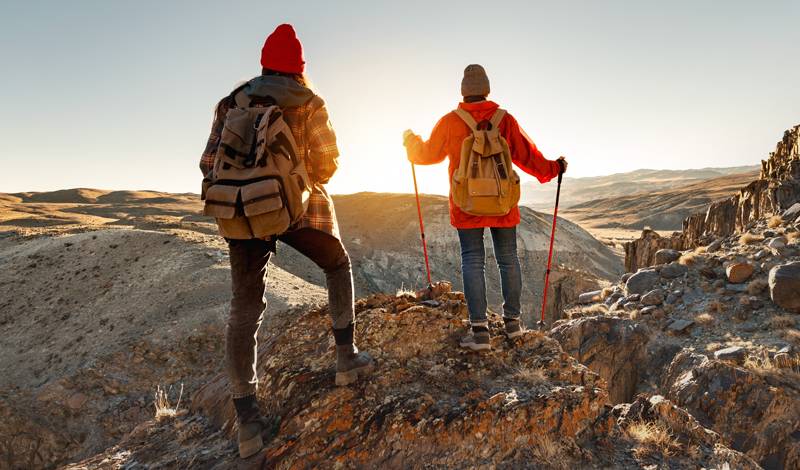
(776, 189)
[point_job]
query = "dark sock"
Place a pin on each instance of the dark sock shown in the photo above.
(479, 329)
(246, 408)
(343, 336)
(507, 320)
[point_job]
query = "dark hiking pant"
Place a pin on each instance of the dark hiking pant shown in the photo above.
(249, 260)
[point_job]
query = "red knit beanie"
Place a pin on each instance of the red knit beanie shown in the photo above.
(282, 51)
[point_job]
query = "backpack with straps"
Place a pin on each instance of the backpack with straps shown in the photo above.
(485, 183)
(259, 185)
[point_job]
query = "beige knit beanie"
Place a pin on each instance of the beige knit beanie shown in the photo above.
(475, 81)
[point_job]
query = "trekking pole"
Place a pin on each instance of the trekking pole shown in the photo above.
(540, 324)
(422, 228)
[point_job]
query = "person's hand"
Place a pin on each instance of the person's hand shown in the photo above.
(562, 162)
(408, 134)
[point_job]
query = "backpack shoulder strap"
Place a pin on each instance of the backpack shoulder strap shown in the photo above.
(467, 118)
(497, 118)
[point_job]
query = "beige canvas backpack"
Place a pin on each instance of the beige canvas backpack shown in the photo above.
(485, 182)
(259, 186)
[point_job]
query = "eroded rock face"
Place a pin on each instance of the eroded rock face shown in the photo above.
(758, 414)
(776, 190)
(612, 347)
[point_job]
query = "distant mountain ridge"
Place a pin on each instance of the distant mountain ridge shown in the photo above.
(575, 191)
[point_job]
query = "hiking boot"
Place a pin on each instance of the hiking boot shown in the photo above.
(350, 364)
(514, 327)
(477, 340)
(250, 439)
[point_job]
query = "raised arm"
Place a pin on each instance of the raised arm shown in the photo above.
(431, 152)
(525, 154)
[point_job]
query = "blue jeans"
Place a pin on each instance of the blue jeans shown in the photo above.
(473, 262)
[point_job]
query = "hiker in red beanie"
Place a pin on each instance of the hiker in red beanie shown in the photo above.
(482, 141)
(282, 83)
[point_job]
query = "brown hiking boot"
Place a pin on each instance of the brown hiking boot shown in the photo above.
(478, 339)
(514, 328)
(350, 364)
(251, 435)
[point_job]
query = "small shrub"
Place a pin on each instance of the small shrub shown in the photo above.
(748, 238)
(701, 249)
(775, 221)
(792, 237)
(763, 364)
(549, 451)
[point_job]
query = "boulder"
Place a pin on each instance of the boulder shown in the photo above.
(679, 326)
(612, 347)
(776, 243)
(667, 255)
(641, 282)
(733, 354)
(589, 297)
(784, 286)
(739, 272)
(654, 297)
(714, 246)
(792, 212)
(673, 270)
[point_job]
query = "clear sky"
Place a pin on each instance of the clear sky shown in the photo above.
(119, 95)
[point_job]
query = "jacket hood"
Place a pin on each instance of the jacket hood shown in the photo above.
(285, 90)
(480, 110)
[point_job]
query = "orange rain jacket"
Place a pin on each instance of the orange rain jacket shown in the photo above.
(446, 139)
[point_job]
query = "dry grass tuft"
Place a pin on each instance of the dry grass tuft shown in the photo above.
(652, 438)
(550, 452)
(530, 375)
(775, 221)
(792, 237)
(714, 346)
(757, 286)
(700, 250)
(688, 259)
(606, 292)
(595, 309)
(402, 291)
(763, 364)
(704, 319)
(163, 407)
(748, 238)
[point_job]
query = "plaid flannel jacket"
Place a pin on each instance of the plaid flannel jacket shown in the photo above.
(315, 138)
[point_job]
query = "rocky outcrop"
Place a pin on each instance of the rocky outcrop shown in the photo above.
(776, 190)
(612, 347)
(525, 404)
(756, 412)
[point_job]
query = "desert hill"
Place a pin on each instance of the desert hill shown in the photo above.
(659, 209)
(581, 190)
(379, 229)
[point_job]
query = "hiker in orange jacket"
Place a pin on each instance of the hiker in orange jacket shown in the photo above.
(445, 141)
